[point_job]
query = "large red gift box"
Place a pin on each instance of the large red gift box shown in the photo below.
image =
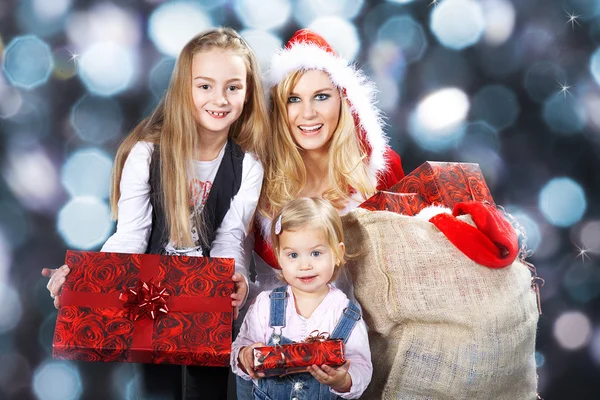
(292, 358)
(400, 203)
(145, 308)
(445, 183)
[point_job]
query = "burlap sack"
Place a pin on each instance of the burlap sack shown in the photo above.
(441, 326)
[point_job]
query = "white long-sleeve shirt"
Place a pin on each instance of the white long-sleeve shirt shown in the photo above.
(324, 318)
(135, 210)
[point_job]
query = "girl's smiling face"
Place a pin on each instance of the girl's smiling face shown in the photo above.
(218, 89)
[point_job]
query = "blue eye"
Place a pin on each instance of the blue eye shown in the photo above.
(322, 97)
(294, 99)
(233, 88)
(204, 87)
(293, 255)
(315, 253)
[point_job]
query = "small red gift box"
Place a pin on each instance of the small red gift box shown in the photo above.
(400, 203)
(292, 358)
(145, 308)
(446, 183)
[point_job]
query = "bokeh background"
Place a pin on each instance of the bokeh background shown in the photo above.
(513, 85)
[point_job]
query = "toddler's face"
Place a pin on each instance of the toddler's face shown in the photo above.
(306, 260)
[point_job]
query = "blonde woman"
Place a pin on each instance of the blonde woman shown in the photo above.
(327, 138)
(188, 178)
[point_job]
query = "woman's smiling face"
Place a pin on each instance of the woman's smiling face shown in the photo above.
(313, 110)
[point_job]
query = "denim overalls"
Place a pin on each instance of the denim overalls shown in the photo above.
(301, 386)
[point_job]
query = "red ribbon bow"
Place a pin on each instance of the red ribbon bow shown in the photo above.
(316, 336)
(145, 299)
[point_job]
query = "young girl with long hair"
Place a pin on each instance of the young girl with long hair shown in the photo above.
(186, 181)
(309, 244)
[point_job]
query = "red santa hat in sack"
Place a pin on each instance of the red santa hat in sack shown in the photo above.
(305, 51)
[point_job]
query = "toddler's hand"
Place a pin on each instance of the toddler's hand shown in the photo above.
(246, 360)
(336, 378)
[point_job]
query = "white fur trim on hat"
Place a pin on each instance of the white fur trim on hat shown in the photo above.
(360, 91)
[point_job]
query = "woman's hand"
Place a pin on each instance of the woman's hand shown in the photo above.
(336, 378)
(239, 294)
(246, 360)
(57, 278)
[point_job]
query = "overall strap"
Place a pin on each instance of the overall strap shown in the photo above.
(350, 316)
(278, 303)
(224, 188)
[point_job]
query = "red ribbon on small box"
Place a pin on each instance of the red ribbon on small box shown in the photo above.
(144, 304)
(283, 359)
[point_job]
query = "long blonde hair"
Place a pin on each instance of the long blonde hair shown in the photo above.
(285, 172)
(314, 213)
(173, 126)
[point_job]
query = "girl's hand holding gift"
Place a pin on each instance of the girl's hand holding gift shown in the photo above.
(336, 378)
(246, 360)
(238, 296)
(57, 278)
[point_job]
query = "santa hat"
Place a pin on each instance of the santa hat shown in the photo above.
(306, 50)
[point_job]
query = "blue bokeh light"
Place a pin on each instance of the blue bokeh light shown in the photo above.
(84, 223)
(306, 11)
(265, 45)
(87, 173)
(540, 359)
(107, 68)
(562, 201)
(160, 76)
(563, 114)
(497, 105)
(542, 80)
(340, 34)
(458, 24)
(42, 18)
(173, 24)
(407, 34)
(531, 234)
(595, 65)
(97, 119)
(27, 62)
(581, 282)
(54, 380)
(12, 309)
(13, 223)
(438, 121)
(263, 14)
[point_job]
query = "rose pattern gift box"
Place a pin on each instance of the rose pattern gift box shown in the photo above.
(400, 203)
(445, 183)
(284, 359)
(145, 308)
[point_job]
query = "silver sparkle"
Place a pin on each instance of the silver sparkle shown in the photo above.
(74, 56)
(564, 88)
(572, 19)
(582, 253)
(433, 3)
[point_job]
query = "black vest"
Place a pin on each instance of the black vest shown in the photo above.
(225, 186)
